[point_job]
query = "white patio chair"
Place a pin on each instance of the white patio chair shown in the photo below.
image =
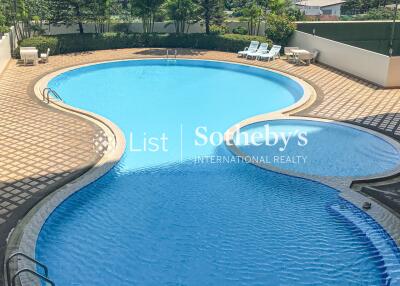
(272, 54)
(289, 54)
(250, 49)
(315, 55)
(262, 49)
(44, 57)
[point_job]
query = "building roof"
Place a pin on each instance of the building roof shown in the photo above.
(393, 6)
(319, 3)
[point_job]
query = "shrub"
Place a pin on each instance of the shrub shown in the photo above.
(218, 30)
(4, 29)
(121, 28)
(71, 43)
(240, 30)
(42, 43)
(279, 28)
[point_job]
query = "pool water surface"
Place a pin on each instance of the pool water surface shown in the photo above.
(166, 218)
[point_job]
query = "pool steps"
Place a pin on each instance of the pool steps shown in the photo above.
(365, 224)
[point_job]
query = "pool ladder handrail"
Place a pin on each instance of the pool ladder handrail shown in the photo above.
(11, 281)
(46, 94)
(41, 277)
(175, 54)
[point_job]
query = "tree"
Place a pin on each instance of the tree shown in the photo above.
(71, 12)
(101, 12)
(279, 28)
(211, 12)
(147, 10)
(253, 15)
(183, 13)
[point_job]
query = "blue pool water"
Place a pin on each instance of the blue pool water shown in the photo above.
(370, 155)
(168, 218)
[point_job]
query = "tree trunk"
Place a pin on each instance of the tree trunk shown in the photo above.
(207, 16)
(78, 15)
(80, 27)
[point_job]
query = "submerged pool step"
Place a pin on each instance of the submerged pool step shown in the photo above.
(370, 228)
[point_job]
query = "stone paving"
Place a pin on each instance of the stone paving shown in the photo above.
(42, 148)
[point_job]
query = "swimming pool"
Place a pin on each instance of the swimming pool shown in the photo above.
(172, 218)
(370, 155)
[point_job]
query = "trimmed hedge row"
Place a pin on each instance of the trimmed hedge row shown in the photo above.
(62, 44)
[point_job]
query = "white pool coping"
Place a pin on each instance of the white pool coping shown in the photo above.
(25, 235)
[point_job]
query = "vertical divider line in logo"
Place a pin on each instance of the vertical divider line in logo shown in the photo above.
(181, 142)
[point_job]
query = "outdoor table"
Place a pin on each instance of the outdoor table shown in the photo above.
(29, 55)
(301, 54)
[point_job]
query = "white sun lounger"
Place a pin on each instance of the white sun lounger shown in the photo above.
(272, 54)
(262, 49)
(250, 49)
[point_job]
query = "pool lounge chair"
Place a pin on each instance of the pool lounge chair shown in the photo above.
(250, 49)
(262, 49)
(272, 54)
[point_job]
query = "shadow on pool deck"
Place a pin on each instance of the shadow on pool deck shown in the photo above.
(14, 216)
(385, 190)
(162, 52)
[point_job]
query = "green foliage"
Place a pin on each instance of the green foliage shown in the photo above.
(63, 44)
(4, 29)
(147, 10)
(2, 17)
(253, 15)
(359, 7)
(121, 28)
(279, 28)
(42, 43)
(183, 13)
(381, 13)
(240, 30)
(218, 30)
(211, 12)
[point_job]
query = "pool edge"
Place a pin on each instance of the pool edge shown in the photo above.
(24, 236)
(29, 248)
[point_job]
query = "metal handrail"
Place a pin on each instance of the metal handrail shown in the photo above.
(53, 92)
(175, 53)
(34, 274)
(46, 271)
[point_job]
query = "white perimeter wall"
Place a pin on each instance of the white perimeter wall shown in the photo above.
(5, 49)
(159, 27)
(377, 68)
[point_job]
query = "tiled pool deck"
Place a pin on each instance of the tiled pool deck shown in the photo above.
(42, 148)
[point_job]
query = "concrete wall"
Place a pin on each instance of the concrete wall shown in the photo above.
(133, 27)
(334, 10)
(376, 68)
(6, 43)
(159, 27)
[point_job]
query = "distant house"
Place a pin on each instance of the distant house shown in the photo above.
(320, 7)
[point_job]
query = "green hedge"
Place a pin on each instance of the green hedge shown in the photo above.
(62, 44)
(373, 36)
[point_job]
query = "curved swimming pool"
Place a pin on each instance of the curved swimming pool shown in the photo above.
(176, 214)
(351, 153)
